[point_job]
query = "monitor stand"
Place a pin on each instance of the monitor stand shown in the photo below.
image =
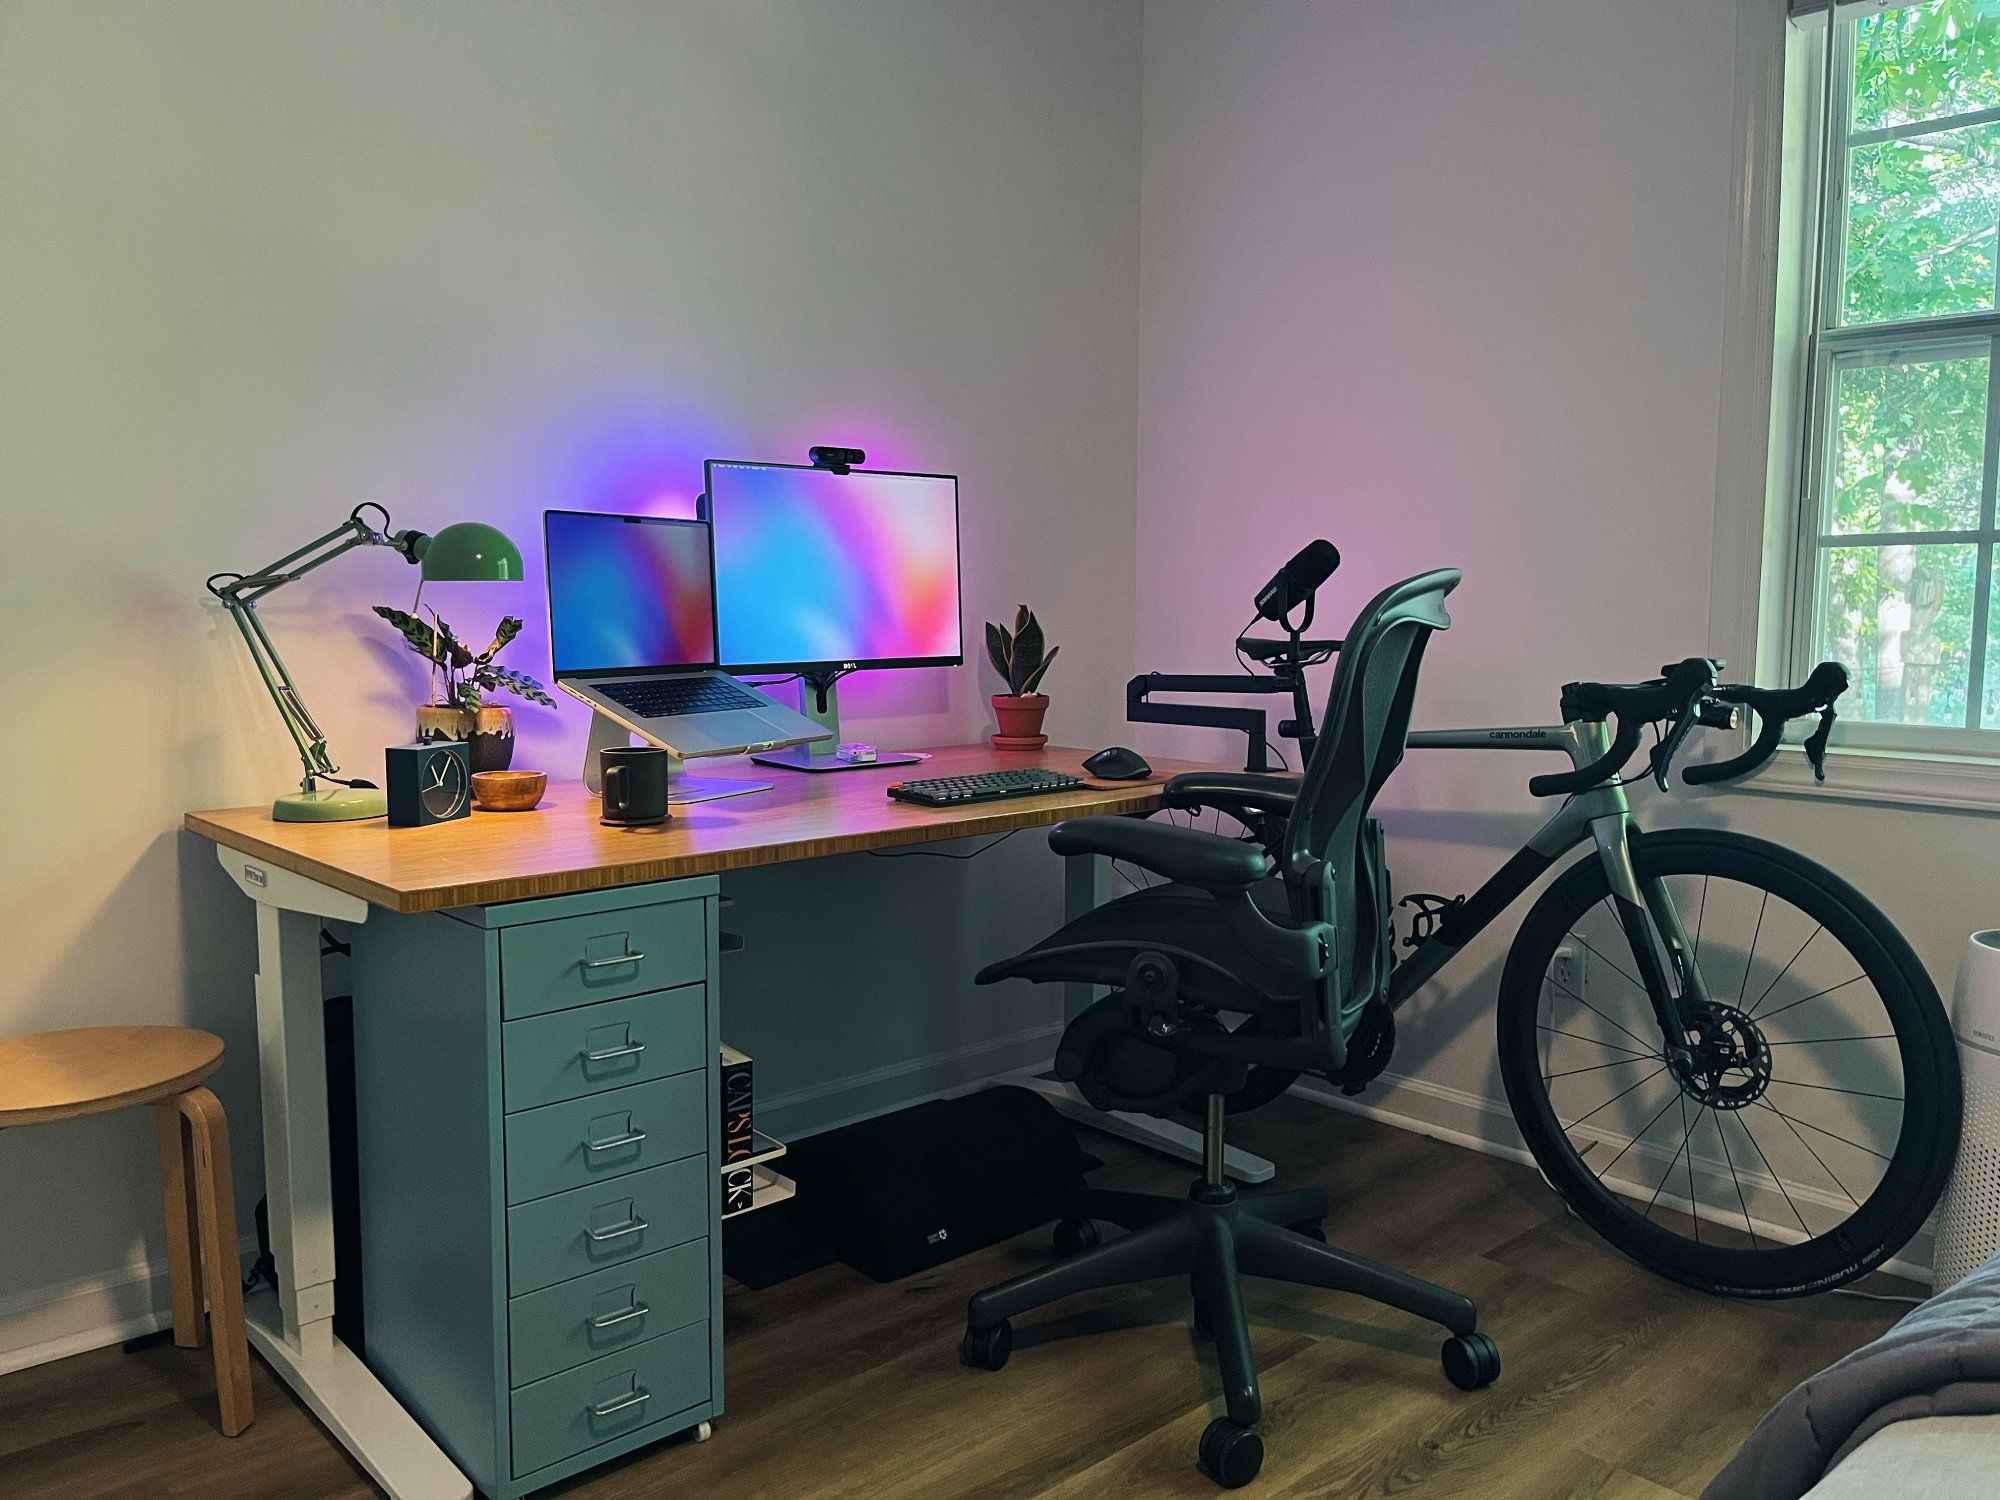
(819, 700)
(606, 733)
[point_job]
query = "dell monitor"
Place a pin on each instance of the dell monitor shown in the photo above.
(823, 573)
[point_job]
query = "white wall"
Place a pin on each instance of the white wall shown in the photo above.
(1445, 283)
(260, 262)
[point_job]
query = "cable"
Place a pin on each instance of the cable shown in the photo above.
(765, 682)
(1848, 1291)
(1242, 660)
(940, 853)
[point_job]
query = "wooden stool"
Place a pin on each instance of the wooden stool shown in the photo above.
(66, 1075)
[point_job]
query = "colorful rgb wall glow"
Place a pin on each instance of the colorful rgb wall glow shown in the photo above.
(628, 591)
(813, 567)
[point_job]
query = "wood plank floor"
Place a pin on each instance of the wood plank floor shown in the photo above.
(1617, 1386)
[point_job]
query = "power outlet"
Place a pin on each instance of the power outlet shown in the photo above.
(1566, 969)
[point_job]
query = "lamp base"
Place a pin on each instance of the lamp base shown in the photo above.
(341, 804)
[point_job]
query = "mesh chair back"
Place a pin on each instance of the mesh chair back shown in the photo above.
(1326, 865)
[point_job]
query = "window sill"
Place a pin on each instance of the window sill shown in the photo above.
(1952, 783)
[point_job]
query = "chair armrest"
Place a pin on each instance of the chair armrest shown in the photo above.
(1183, 854)
(1232, 791)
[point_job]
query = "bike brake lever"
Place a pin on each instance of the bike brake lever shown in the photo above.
(1815, 746)
(1669, 746)
(1684, 721)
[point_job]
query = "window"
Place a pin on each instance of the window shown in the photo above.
(1894, 177)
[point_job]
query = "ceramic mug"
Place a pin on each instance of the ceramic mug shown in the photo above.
(635, 785)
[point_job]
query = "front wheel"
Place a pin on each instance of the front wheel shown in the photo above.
(1808, 1130)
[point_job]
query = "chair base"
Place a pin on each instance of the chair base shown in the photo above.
(1217, 1235)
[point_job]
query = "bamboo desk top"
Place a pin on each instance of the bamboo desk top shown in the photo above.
(561, 847)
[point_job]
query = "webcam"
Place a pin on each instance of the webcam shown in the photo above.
(839, 460)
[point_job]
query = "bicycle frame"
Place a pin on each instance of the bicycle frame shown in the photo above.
(1602, 816)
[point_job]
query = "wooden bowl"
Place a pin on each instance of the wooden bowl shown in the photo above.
(508, 791)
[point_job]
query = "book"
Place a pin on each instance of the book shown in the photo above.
(739, 1184)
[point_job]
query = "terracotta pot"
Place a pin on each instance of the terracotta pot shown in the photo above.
(443, 721)
(1020, 721)
(491, 743)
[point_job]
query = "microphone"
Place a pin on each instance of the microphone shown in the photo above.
(1293, 584)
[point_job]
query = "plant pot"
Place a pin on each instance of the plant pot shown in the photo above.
(1020, 721)
(443, 721)
(491, 743)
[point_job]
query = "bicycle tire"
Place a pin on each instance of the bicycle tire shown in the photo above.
(1928, 1132)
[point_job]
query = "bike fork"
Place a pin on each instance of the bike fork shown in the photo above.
(1653, 930)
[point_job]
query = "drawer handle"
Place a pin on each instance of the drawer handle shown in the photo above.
(633, 1225)
(631, 1049)
(610, 963)
(639, 1396)
(612, 1320)
(629, 1138)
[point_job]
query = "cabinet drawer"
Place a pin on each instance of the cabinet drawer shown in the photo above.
(605, 1135)
(569, 1053)
(564, 1325)
(609, 1398)
(547, 966)
(606, 1224)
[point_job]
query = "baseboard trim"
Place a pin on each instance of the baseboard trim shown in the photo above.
(1487, 1125)
(860, 1096)
(54, 1322)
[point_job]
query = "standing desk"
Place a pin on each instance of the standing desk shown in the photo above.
(497, 936)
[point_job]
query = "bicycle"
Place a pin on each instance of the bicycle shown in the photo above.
(1633, 994)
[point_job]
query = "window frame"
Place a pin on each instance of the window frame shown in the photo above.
(1779, 348)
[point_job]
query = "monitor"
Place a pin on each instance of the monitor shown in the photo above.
(628, 593)
(819, 571)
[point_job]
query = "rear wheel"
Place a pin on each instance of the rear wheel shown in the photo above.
(1807, 1132)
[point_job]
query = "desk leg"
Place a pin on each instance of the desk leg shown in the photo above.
(1087, 884)
(293, 1328)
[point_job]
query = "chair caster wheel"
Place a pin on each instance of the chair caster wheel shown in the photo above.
(987, 1348)
(1073, 1236)
(1312, 1229)
(1230, 1454)
(1471, 1361)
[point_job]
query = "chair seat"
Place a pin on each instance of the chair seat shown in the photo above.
(1182, 921)
(91, 1070)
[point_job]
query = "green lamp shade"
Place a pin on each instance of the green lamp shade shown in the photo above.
(470, 550)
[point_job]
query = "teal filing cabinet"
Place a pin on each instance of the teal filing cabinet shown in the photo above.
(538, 1094)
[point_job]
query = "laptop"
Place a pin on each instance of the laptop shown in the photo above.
(632, 634)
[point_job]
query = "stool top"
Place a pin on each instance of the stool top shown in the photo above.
(65, 1075)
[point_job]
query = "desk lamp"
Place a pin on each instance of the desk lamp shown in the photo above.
(466, 550)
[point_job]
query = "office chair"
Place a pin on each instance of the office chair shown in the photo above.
(1297, 946)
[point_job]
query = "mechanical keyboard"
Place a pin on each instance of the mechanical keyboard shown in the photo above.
(663, 697)
(984, 786)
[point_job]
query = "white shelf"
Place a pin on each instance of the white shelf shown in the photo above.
(764, 1148)
(769, 1188)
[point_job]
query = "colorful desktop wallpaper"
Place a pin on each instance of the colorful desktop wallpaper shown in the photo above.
(812, 566)
(627, 592)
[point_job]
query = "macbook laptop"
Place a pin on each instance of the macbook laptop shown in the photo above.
(632, 633)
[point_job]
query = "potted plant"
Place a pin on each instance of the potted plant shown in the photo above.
(1021, 658)
(458, 708)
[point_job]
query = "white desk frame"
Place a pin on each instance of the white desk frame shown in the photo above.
(293, 1326)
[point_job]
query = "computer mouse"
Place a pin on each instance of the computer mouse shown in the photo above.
(1118, 764)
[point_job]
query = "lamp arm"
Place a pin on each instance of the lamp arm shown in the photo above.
(306, 735)
(239, 593)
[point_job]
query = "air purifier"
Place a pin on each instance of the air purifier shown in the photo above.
(1968, 1230)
